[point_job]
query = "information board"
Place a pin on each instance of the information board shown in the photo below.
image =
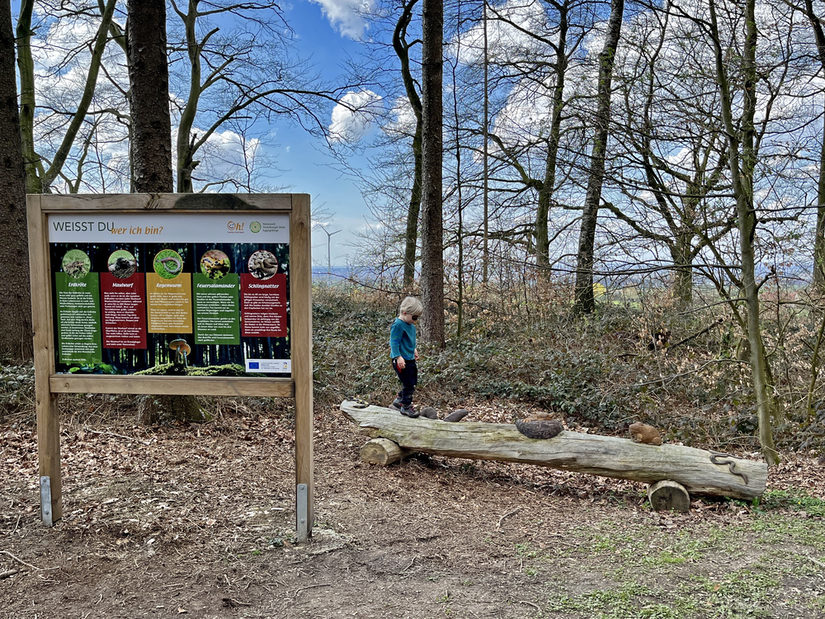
(171, 294)
(160, 293)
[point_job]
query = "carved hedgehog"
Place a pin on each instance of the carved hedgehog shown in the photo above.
(539, 426)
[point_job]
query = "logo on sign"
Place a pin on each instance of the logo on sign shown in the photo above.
(235, 226)
(254, 226)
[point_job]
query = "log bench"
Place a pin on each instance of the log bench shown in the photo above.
(674, 472)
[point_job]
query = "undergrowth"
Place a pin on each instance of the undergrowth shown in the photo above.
(598, 372)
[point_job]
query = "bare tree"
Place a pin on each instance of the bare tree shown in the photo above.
(432, 233)
(16, 327)
(239, 63)
(819, 235)
(742, 152)
(402, 46)
(151, 142)
(670, 157)
(585, 302)
(41, 171)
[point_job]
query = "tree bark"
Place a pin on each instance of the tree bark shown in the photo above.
(698, 470)
(151, 148)
(149, 96)
(16, 326)
(432, 233)
(585, 302)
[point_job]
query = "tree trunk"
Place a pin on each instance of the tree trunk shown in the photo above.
(819, 235)
(401, 47)
(549, 183)
(16, 329)
(741, 158)
(149, 96)
(698, 470)
(584, 302)
(819, 238)
(25, 63)
(152, 148)
(680, 253)
(186, 142)
(432, 233)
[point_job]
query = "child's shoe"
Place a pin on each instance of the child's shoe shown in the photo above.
(396, 404)
(409, 411)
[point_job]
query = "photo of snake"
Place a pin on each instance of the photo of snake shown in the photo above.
(262, 264)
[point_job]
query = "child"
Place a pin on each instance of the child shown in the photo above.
(404, 353)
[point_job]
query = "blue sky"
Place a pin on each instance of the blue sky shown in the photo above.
(306, 167)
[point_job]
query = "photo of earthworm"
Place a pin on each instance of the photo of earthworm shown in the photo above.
(168, 263)
(214, 264)
(76, 263)
(262, 264)
(122, 264)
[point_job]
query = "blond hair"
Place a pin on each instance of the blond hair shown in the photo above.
(411, 305)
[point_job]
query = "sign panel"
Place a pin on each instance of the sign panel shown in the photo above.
(165, 293)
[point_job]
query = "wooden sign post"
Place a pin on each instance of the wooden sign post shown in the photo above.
(131, 291)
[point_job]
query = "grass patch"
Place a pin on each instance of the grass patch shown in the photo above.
(796, 500)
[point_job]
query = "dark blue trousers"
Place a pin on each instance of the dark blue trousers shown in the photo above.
(409, 378)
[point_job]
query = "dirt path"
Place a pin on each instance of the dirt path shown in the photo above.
(198, 522)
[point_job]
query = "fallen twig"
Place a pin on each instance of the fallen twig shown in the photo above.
(232, 602)
(536, 606)
(19, 560)
(8, 573)
(507, 515)
(812, 560)
(297, 591)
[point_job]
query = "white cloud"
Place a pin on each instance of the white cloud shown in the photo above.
(504, 41)
(403, 118)
(352, 117)
(347, 16)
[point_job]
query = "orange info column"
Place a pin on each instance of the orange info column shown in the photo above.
(169, 303)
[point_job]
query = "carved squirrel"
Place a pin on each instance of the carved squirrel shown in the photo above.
(643, 433)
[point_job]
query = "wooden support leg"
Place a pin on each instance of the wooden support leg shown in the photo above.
(48, 453)
(668, 495)
(381, 451)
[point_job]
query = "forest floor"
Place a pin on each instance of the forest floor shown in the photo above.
(198, 521)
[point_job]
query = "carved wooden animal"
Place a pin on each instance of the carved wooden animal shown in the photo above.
(429, 412)
(457, 415)
(539, 426)
(643, 433)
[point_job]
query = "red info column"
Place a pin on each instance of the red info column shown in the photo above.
(263, 306)
(123, 311)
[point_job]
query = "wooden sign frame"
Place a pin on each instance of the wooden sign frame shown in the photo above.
(49, 384)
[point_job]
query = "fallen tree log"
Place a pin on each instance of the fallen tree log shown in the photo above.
(698, 470)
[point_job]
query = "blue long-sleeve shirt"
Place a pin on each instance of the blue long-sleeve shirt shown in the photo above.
(402, 340)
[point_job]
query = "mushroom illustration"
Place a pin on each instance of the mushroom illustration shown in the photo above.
(182, 349)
